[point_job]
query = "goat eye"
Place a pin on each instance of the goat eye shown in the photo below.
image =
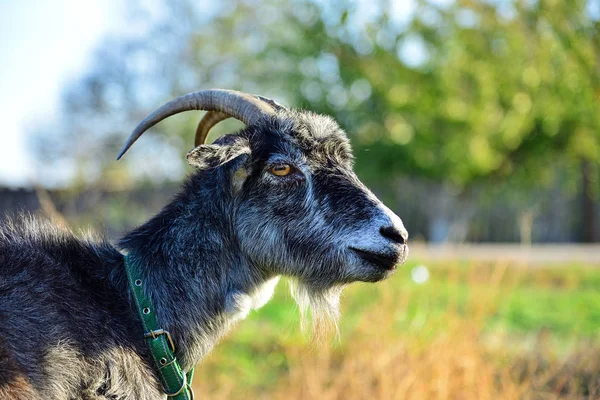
(280, 169)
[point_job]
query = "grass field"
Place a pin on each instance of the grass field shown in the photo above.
(470, 331)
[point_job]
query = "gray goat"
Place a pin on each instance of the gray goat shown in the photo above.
(278, 197)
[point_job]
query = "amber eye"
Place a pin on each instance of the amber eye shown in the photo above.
(281, 169)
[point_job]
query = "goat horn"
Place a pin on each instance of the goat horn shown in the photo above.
(245, 107)
(209, 120)
(212, 118)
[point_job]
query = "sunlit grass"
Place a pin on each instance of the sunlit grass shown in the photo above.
(471, 331)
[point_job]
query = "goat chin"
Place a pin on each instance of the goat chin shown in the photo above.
(324, 307)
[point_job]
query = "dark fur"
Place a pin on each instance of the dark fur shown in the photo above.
(68, 328)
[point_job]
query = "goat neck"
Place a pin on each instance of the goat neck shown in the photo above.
(193, 271)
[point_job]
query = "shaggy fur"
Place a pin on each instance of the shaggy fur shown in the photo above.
(210, 256)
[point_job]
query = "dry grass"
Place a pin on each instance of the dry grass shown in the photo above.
(450, 354)
(456, 365)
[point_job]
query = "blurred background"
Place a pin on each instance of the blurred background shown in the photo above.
(476, 121)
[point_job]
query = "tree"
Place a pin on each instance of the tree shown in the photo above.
(461, 92)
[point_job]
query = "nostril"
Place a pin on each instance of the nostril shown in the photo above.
(394, 234)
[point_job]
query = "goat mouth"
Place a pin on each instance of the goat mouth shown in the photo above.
(387, 261)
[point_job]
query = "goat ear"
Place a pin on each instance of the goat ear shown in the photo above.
(207, 156)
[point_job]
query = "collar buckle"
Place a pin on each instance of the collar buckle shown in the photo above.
(156, 333)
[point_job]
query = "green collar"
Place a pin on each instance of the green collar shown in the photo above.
(176, 382)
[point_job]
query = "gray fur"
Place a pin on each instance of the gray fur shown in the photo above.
(208, 258)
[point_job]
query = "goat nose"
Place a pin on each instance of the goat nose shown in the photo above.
(394, 234)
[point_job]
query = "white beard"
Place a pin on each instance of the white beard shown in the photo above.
(324, 305)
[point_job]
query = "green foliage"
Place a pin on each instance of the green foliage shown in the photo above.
(450, 91)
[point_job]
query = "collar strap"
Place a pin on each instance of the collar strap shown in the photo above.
(176, 383)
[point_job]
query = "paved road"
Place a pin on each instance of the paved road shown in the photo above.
(535, 254)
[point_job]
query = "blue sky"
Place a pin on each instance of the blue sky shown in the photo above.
(43, 44)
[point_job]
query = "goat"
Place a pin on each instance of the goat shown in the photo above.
(277, 198)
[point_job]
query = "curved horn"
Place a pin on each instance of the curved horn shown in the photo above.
(212, 118)
(242, 106)
(209, 120)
